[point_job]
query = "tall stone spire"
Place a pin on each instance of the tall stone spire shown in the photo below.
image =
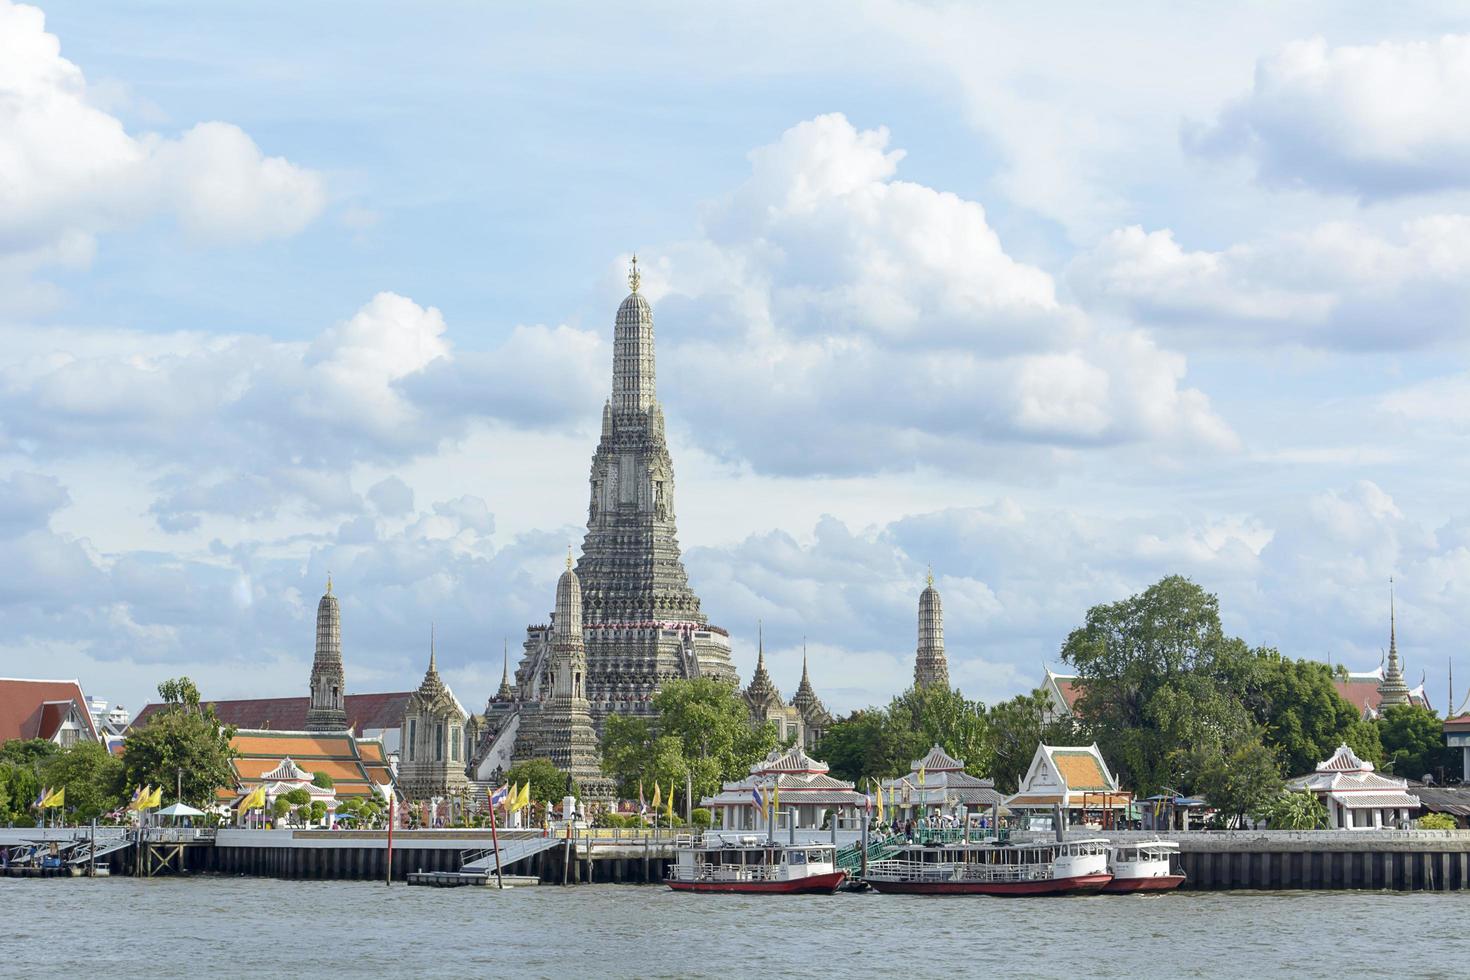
(762, 689)
(565, 722)
(814, 715)
(327, 709)
(506, 692)
(646, 621)
(930, 665)
(1392, 689)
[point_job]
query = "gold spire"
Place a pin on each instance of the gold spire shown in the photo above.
(633, 277)
(329, 583)
(931, 576)
(432, 669)
(569, 558)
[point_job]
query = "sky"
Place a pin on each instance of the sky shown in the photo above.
(1056, 300)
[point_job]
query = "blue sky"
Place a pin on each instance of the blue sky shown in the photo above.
(1059, 301)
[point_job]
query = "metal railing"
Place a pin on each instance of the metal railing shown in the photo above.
(725, 872)
(925, 871)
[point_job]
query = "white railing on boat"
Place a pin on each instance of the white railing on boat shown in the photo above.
(899, 870)
(713, 873)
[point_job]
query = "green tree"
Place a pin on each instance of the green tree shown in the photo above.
(19, 784)
(92, 777)
(322, 781)
(280, 808)
(1413, 741)
(701, 732)
(1240, 782)
(1303, 717)
(925, 716)
(29, 752)
(1017, 727)
(701, 818)
(854, 746)
(186, 738)
(548, 783)
(1160, 683)
(1293, 811)
(296, 797)
(318, 811)
(1436, 821)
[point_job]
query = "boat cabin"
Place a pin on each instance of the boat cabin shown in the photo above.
(751, 858)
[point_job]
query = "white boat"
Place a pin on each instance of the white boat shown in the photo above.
(1074, 867)
(752, 864)
(1147, 866)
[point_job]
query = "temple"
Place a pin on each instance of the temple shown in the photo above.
(804, 719)
(1392, 690)
(641, 623)
(327, 711)
(930, 665)
(1073, 781)
(435, 745)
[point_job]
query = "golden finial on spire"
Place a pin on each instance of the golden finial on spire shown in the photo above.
(329, 583)
(633, 277)
(931, 576)
(569, 558)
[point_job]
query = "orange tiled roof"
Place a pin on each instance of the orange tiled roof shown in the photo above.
(1080, 770)
(297, 745)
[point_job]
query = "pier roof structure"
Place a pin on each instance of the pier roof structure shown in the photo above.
(1074, 777)
(801, 783)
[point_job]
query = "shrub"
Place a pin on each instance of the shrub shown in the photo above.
(1436, 821)
(701, 818)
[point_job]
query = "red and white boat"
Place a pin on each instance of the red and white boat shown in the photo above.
(1077, 867)
(1149, 866)
(755, 865)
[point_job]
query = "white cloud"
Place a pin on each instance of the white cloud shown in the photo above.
(1375, 120)
(1338, 285)
(70, 171)
(883, 325)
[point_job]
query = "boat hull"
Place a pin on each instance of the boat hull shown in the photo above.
(1159, 883)
(1076, 885)
(824, 884)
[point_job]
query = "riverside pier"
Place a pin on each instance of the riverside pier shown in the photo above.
(1394, 860)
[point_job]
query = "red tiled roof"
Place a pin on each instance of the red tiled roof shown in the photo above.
(28, 708)
(365, 712)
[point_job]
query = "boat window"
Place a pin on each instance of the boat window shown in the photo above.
(796, 857)
(815, 856)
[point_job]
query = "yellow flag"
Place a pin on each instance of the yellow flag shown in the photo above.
(671, 801)
(156, 800)
(776, 794)
(57, 798)
(879, 816)
(523, 797)
(921, 775)
(658, 796)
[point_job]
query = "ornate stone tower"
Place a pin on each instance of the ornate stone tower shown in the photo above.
(432, 762)
(1392, 689)
(565, 728)
(643, 624)
(930, 666)
(815, 719)
(327, 711)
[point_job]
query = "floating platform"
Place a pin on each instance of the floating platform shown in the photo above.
(474, 879)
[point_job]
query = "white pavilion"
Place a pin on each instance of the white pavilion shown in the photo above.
(938, 783)
(800, 786)
(1356, 797)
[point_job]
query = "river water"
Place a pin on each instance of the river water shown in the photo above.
(256, 927)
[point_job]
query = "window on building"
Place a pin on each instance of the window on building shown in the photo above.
(68, 737)
(439, 742)
(413, 738)
(454, 744)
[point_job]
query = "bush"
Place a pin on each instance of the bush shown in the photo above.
(701, 818)
(322, 781)
(1437, 821)
(297, 797)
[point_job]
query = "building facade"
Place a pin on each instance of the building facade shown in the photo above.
(804, 718)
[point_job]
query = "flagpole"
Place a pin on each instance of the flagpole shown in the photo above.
(392, 800)
(495, 841)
